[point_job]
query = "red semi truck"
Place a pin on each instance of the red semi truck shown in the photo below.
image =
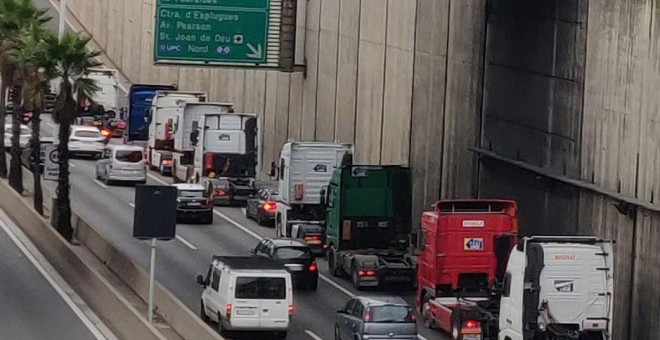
(477, 281)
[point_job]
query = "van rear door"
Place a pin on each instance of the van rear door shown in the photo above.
(245, 313)
(274, 312)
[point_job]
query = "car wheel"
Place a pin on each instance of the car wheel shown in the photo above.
(337, 336)
(209, 218)
(202, 313)
(332, 263)
(355, 279)
(260, 220)
(313, 286)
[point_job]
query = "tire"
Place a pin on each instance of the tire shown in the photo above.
(209, 219)
(221, 328)
(278, 225)
(337, 336)
(107, 181)
(355, 279)
(456, 324)
(313, 286)
(332, 264)
(282, 334)
(202, 313)
(260, 221)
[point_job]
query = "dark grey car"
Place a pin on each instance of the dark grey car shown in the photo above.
(378, 317)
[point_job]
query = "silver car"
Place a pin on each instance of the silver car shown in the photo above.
(377, 317)
(122, 163)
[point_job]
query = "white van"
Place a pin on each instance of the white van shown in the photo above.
(247, 294)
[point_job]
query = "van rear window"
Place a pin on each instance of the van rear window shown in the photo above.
(129, 156)
(271, 288)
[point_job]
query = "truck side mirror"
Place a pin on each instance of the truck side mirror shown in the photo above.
(273, 167)
(324, 193)
(200, 280)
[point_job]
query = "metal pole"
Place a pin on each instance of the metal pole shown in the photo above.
(62, 18)
(152, 278)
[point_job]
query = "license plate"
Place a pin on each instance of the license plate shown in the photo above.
(240, 198)
(194, 204)
(471, 336)
(314, 242)
(245, 311)
(398, 279)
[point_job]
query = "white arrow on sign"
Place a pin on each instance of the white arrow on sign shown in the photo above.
(256, 52)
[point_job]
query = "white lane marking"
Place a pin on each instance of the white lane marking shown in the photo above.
(421, 337)
(32, 255)
(186, 243)
(132, 204)
(259, 237)
(313, 335)
(73, 165)
(243, 210)
(100, 184)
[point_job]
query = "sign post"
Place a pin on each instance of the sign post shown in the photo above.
(51, 163)
(228, 31)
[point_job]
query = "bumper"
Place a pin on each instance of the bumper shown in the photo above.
(229, 200)
(127, 178)
(86, 151)
(301, 279)
(250, 325)
(193, 214)
(387, 337)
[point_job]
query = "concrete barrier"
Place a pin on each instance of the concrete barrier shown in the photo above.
(177, 315)
(119, 315)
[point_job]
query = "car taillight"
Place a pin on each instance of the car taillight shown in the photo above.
(367, 272)
(367, 316)
(270, 206)
(105, 133)
(313, 267)
(313, 238)
(471, 324)
(228, 310)
(167, 162)
(121, 125)
(208, 161)
(220, 192)
(292, 309)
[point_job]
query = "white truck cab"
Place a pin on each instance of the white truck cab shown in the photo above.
(303, 172)
(558, 287)
(247, 294)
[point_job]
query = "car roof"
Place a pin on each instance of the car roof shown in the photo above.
(84, 127)
(383, 300)
(249, 262)
(288, 242)
(188, 186)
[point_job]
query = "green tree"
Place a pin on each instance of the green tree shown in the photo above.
(37, 68)
(72, 63)
(15, 16)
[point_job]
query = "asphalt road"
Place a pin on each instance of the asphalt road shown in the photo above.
(179, 261)
(30, 305)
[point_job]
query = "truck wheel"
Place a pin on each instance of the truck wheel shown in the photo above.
(278, 226)
(337, 336)
(456, 325)
(426, 314)
(202, 313)
(332, 264)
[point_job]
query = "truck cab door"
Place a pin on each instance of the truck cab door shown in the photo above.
(511, 301)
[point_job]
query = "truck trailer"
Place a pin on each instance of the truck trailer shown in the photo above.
(303, 172)
(140, 97)
(478, 281)
(225, 155)
(166, 107)
(368, 225)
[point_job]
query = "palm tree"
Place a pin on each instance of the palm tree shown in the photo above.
(16, 15)
(72, 63)
(31, 57)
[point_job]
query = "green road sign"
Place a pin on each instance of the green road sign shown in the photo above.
(229, 31)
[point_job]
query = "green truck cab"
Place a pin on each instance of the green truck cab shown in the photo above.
(368, 224)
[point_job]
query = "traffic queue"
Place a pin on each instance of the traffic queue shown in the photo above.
(473, 275)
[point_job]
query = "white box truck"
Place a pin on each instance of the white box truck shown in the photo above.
(166, 106)
(303, 173)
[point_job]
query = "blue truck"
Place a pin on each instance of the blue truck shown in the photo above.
(139, 104)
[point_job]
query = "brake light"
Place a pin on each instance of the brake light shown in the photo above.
(121, 125)
(312, 238)
(292, 309)
(367, 272)
(167, 162)
(367, 315)
(471, 324)
(208, 161)
(270, 206)
(313, 267)
(228, 310)
(220, 192)
(105, 133)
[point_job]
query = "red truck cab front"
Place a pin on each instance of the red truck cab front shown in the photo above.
(465, 247)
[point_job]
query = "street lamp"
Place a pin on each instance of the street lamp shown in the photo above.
(62, 18)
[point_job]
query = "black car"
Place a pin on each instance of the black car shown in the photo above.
(230, 191)
(115, 126)
(193, 204)
(296, 256)
(263, 206)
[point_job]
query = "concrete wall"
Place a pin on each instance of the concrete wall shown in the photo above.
(571, 88)
(366, 62)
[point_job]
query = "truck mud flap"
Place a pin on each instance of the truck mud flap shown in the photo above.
(531, 296)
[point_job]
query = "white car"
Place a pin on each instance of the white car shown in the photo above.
(122, 163)
(24, 137)
(86, 141)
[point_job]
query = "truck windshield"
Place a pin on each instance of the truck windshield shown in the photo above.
(272, 288)
(391, 314)
(128, 156)
(286, 253)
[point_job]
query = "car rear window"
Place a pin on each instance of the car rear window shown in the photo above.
(270, 288)
(391, 314)
(191, 193)
(292, 253)
(129, 156)
(87, 134)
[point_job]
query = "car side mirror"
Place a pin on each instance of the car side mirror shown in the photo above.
(200, 280)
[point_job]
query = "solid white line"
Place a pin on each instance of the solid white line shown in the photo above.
(421, 337)
(243, 210)
(51, 280)
(99, 183)
(73, 165)
(313, 335)
(132, 204)
(186, 243)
